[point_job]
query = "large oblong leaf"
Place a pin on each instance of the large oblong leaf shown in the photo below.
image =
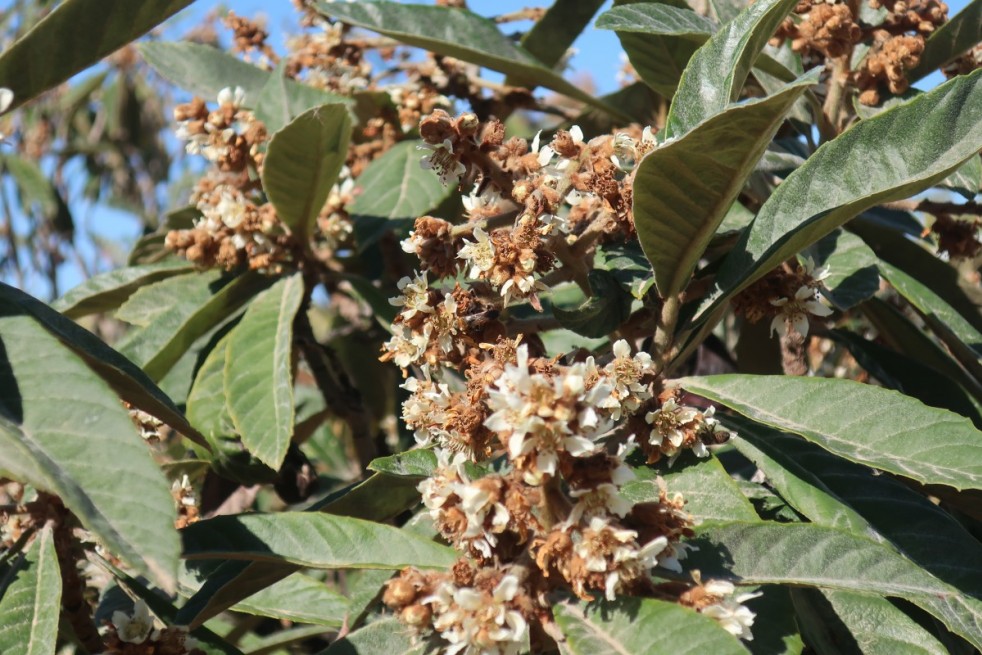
(77, 34)
(879, 628)
(962, 32)
(865, 424)
(684, 188)
(31, 601)
(828, 558)
(312, 539)
(636, 625)
(395, 186)
(553, 34)
(457, 33)
(259, 371)
(63, 430)
(861, 168)
(302, 163)
(387, 635)
(204, 70)
(111, 289)
(716, 73)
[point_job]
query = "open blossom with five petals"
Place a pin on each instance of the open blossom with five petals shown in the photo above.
(441, 161)
(478, 254)
(795, 311)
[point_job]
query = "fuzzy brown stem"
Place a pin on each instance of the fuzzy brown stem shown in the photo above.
(793, 354)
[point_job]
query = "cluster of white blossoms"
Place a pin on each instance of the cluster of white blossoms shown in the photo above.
(139, 627)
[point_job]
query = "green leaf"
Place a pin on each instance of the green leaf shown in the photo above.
(58, 419)
(880, 628)
(128, 381)
(684, 188)
(716, 73)
(865, 424)
(828, 558)
(941, 128)
(601, 313)
(635, 625)
(659, 39)
(204, 70)
(281, 100)
(418, 463)
(111, 289)
(259, 371)
(709, 491)
(457, 33)
(942, 317)
(172, 314)
(31, 601)
(853, 276)
(299, 597)
(207, 406)
(839, 494)
(395, 186)
(966, 181)
(312, 539)
(387, 635)
(302, 164)
(76, 35)
(553, 34)
(960, 34)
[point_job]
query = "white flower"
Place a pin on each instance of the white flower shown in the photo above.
(729, 611)
(415, 296)
(602, 500)
(795, 312)
(479, 254)
(230, 96)
(442, 162)
(136, 628)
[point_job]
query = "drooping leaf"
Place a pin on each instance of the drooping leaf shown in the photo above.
(937, 312)
(302, 164)
(418, 463)
(259, 371)
(659, 40)
(880, 628)
(709, 491)
(891, 432)
(312, 539)
(76, 35)
(172, 314)
(204, 70)
(58, 418)
(717, 71)
(281, 100)
(684, 188)
(455, 33)
(127, 380)
(395, 186)
(966, 181)
(835, 493)
(601, 313)
(207, 406)
(781, 61)
(828, 558)
(859, 169)
(387, 635)
(959, 34)
(30, 602)
(111, 289)
(853, 276)
(553, 34)
(776, 632)
(635, 625)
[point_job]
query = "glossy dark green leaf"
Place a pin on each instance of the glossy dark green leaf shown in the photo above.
(635, 625)
(883, 429)
(853, 275)
(259, 371)
(204, 70)
(598, 315)
(128, 381)
(312, 539)
(828, 558)
(879, 628)
(281, 100)
(455, 33)
(684, 188)
(111, 289)
(172, 314)
(31, 600)
(717, 71)
(57, 418)
(395, 186)
(857, 170)
(961, 33)
(75, 36)
(207, 406)
(835, 493)
(302, 164)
